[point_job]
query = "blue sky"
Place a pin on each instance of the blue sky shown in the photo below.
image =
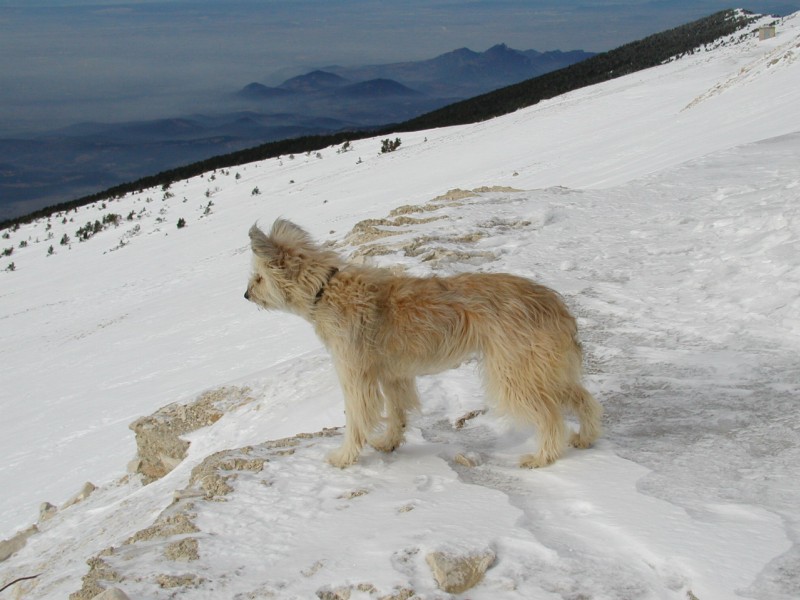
(113, 60)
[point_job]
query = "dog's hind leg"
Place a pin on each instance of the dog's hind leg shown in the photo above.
(526, 394)
(545, 415)
(362, 405)
(400, 396)
(589, 413)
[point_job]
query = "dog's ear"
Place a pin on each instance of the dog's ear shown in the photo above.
(288, 234)
(261, 245)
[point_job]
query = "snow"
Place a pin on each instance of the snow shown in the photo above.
(663, 205)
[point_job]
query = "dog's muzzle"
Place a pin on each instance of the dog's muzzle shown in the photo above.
(247, 294)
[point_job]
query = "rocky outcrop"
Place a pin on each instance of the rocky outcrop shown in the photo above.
(16, 543)
(160, 447)
(47, 511)
(399, 232)
(174, 533)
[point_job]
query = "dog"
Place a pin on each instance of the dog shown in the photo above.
(383, 330)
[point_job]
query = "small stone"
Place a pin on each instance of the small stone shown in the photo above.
(340, 593)
(456, 573)
(46, 511)
(469, 459)
(85, 492)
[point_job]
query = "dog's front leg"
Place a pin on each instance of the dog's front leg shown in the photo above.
(362, 405)
(401, 396)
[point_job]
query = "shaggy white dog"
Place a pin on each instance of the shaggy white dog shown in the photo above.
(383, 330)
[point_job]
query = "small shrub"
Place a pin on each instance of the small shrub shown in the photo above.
(181, 223)
(255, 192)
(388, 145)
(11, 267)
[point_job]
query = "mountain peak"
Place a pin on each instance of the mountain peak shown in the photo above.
(314, 81)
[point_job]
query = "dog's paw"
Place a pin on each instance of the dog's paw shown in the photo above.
(534, 461)
(386, 443)
(576, 441)
(341, 458)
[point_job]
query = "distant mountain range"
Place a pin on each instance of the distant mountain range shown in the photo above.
(461, 73)
(84, 158)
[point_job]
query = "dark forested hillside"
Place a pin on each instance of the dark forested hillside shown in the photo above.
(642, 54)
(626, 59)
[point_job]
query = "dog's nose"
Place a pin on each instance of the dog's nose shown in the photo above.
(247, 295)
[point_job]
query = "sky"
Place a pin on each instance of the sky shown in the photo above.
(112, 60)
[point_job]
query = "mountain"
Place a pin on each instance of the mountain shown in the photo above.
(53, 169)
(259, 91)
(661, 204)
(316, 81)
(629, 58)
(464, 73)
(646, 53)
(376, 88)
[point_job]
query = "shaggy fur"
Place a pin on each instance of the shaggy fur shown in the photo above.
(383, 330)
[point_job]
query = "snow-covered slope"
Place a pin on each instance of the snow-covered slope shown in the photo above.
(664, 205)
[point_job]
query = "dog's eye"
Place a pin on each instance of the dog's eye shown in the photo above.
(259, 279)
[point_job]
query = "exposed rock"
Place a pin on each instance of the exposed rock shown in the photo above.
(456, 573)
(354, 494)
(399, 594)
(182, 581)
(14, 544)
(340, 593)
(112, 594)
(184, 550)
(99, 570)
(459, 424)
(212, 475)
(167, 525)
(455, 194)
(85, 492)
(344, 592)
(313, 569)
(468, 459)
(160, 447)
(47, 511)
(174, 532)
(370, 230)
(496, 188)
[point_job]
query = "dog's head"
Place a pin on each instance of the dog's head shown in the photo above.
(289, 269)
